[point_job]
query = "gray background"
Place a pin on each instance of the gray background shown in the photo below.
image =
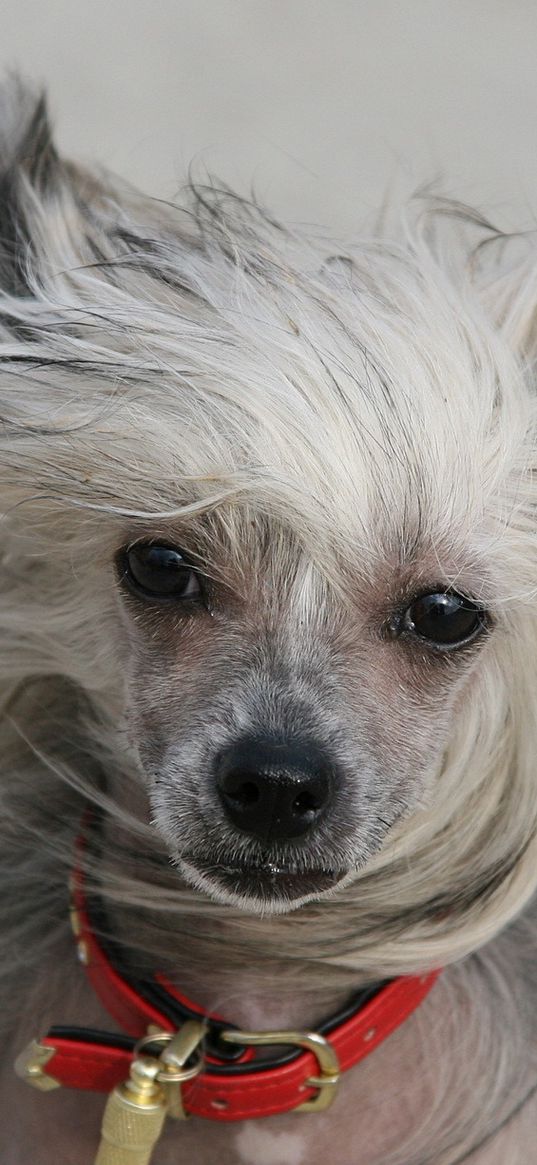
(319, 103)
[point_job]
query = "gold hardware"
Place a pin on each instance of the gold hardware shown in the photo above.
(135, 1111)
(178, 1048)
(82, 951)
(174, 1057)
(30, 1066)
(134, 1117)
(76, 925)
(326, 1055)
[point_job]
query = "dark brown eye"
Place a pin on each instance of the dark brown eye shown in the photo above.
(444, 619)
(160, 572)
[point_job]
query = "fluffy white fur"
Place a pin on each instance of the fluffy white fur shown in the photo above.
(327, 435)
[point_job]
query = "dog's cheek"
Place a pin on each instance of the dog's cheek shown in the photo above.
(179, 715)
(169, 675)
(410, 702)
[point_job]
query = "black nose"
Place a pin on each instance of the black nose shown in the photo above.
(274, 791)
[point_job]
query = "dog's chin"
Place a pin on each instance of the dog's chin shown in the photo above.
(266, 889)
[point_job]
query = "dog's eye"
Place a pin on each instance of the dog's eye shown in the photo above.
(160, 572)
(444, 618)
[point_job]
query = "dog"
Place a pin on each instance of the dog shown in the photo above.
(269, 659)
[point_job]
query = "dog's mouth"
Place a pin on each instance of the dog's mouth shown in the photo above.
(269, 883)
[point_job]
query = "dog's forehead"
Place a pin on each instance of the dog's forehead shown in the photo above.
(377, 434)
(373, 403)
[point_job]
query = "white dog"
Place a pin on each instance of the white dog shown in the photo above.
(268, 566)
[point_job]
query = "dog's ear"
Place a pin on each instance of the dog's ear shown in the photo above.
(30, 174)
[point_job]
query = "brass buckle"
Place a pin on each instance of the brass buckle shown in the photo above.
(177, 1049)
(327, 1080)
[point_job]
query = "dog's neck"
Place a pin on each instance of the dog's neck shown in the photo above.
(217, 960)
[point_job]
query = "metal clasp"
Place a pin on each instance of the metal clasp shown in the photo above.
(30, 1066)
(327, 1080)
(178, 1048)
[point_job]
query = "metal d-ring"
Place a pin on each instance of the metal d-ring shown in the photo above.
(178, 1047)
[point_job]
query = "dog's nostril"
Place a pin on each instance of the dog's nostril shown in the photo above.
(246, 793)
(305, 803)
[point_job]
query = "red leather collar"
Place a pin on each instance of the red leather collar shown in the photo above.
(232, 1085)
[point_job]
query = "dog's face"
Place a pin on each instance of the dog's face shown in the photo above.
(284, 728)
